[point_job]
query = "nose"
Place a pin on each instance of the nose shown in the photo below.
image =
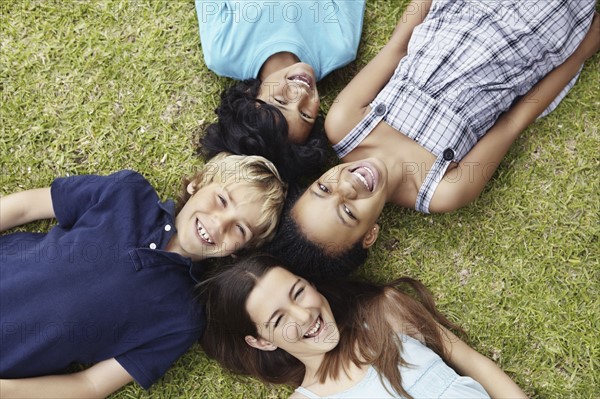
(224, 219)
(295, 88)
(300, 94)
(346, 190)
(301, 315)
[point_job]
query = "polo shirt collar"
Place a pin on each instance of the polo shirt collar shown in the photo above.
(151, 256)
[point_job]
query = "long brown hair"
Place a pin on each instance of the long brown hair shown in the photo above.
(361, 310)
(228, 323)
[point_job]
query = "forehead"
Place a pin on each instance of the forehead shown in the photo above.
(320, 220)
(242, 190)
(298, 128)
(244, 187)
(269, 293)
(245, 197)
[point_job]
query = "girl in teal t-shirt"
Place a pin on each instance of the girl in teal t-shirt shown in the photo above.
(279, 50)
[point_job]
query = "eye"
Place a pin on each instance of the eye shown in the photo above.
(298, 293)
(242, 230)
(279, 101)
(323, 188)
(349, 212)
(305, 115)
(222, 200)
(278, 321)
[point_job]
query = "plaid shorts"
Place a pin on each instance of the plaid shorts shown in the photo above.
(467, 63)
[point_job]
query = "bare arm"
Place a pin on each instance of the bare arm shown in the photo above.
(482, 161)
(98, 381)
(467, 361)
(24, 207)
(365, 86)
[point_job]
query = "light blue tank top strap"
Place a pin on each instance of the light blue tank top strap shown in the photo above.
(306, 393)
(369, 386)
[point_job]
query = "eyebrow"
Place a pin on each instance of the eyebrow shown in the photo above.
(289, 295)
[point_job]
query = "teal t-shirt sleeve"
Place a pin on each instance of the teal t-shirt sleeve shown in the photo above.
(225, 37)
(352, 12)
(343, 20)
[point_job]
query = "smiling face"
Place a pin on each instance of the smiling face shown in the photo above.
(292, 315)
(293, 90)
(217, 220)
(343, 205)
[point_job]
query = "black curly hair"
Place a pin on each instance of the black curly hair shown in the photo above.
(248, 126)
(307, 259)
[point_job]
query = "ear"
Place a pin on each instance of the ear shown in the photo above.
(261, 344)
(371, 236)
(191, 188)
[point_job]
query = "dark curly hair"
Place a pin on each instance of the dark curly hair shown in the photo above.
(248, 126)
(308, 259)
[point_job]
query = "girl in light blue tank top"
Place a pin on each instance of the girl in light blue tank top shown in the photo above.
(342, 340)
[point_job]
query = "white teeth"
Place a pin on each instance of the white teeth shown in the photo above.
(370, 172)
(203, 233)
(362, 179)
(314, 330)
(301, 81)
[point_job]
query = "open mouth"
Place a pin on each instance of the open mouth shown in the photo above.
(316, 328)
(203, 233)
(367, 175)
(303, 79)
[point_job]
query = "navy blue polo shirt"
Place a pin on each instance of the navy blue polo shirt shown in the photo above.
(97, 285)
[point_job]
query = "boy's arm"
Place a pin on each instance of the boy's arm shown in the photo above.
(24, 207)
(467, 361)
(365, 86)
(98, 381)
(478, 166)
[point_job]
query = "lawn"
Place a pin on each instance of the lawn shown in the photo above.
(99, 86)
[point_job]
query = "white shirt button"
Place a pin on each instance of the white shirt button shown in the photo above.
(168, 227)
(152, 246)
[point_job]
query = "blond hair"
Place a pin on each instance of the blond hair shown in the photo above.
(256, 172)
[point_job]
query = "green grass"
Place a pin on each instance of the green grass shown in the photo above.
(94, 87)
